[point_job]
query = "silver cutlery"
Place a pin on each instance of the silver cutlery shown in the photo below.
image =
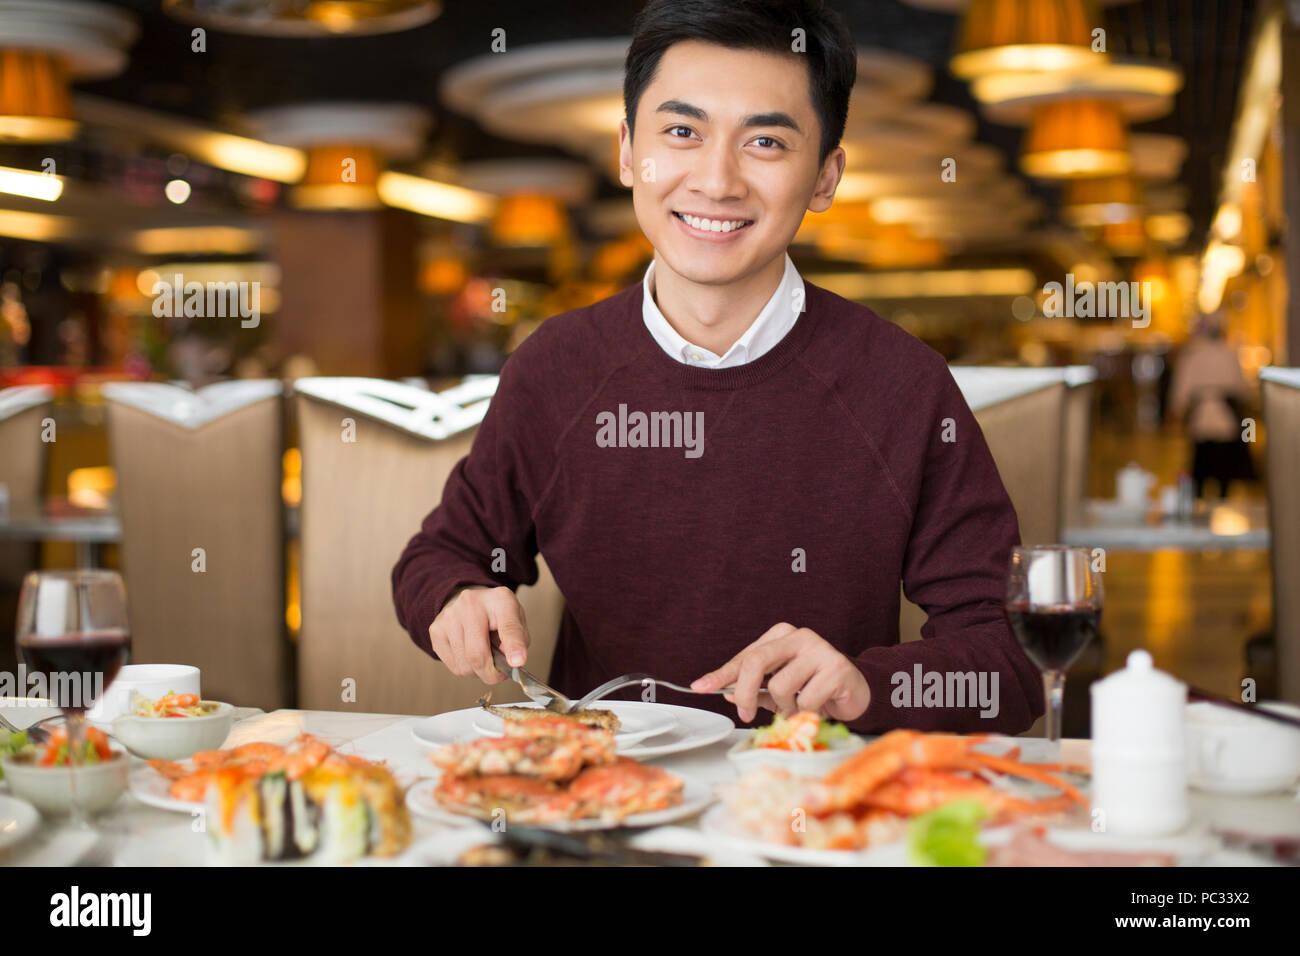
(36, 734)
(627, 680)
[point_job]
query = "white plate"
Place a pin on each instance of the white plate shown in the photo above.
(718, 825)
(694, 729)
(695, 797)
(18, 819)
(150, 787)
(638, 720)
(445, 848)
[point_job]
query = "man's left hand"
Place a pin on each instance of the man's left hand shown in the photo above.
(803, 671)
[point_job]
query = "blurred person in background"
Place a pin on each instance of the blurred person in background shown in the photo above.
(1208, 394)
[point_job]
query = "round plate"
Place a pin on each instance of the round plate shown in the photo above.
(695, 797)
(695, 728)
(150, 787)
(18, 819)
(446, 847)
(638, 721)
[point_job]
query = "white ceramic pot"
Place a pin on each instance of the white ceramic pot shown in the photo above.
(1232, 752)
(174, 738)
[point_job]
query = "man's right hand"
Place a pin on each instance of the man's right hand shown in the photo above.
(461, 633)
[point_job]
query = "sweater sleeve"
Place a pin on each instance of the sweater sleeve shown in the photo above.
(482, 531)
(955, 567)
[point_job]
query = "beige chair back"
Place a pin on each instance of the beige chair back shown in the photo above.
(1076, 439)
(22, 469)
(1020, 412)
(202, 470)
(362, 501)
(1281, 393)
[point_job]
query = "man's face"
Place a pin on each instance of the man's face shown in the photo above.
(728, 135)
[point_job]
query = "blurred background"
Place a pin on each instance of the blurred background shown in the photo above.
(407, 189)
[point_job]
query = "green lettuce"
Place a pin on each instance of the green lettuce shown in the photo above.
(948, 835)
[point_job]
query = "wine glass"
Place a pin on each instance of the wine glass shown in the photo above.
(1054, 600)
(73, 633)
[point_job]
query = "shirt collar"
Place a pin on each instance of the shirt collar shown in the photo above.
(775, 320)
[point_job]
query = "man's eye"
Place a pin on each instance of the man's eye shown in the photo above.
(775, 142)
(672, 129)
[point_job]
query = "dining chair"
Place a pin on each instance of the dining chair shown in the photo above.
(1281, 397)
(23, 441)
(376, 455)
(199, 478)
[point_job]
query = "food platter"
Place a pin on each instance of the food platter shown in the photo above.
(693, 728)
(696, 796)
(638, 721)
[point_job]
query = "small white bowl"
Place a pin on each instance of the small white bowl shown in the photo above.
(175, 738)
(1235, 753)
(815, 763)
(49, 789)
(147, 680)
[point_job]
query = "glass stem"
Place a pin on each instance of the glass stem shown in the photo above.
(76, 749)
(1054, 696)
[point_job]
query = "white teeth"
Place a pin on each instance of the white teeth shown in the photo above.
(714, 225)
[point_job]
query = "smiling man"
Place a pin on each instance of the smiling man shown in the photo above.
(730, 470)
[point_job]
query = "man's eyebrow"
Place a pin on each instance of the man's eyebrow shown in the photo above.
(774, 118)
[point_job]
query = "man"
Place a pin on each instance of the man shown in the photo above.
(729, 470)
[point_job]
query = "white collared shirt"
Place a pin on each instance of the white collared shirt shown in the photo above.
(773, 323)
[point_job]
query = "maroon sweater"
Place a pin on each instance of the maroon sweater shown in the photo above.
(839, 463)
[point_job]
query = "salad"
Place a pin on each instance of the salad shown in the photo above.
(803, 732)
(171, 704)
(55, 751)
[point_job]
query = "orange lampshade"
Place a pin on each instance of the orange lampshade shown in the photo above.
(529, 219)
(1127, 238)
(1095, 202)
(35, 105)
(339, 176)
(848, 230)
(999, 36)
(1070, 139)
(443, 275)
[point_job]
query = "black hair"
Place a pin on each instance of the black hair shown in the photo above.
(766, 25)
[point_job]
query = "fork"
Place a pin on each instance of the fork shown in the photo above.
(35, 733)
(627, 680)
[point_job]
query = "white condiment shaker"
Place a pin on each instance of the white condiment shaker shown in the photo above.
(1139, 774)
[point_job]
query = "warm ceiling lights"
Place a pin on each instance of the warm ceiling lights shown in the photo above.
(347, 146)
(305, 17)
(1076, 138)
(998, 36)
(44, 45)
(1095, 202)
(35, 106)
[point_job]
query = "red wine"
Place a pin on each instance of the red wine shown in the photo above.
(1053, 636)
(70, 663)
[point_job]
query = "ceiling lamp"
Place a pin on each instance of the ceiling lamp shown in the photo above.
(44, 45)
(347, 147)
(305, 18)
(1127, 238)
(529, 219)
(1021, 35)
(1143, 89)
(1073, 138)
(1095, 202)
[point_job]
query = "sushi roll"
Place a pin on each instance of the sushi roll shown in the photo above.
(331, 815)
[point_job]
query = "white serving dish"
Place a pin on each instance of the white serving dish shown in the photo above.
(816, 763)
(49, 789)
(174, 738)
(1234, 753)
(148, 680)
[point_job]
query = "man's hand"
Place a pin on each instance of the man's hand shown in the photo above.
(804, 672)
(460, 634)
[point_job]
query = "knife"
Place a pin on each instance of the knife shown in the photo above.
(535, 690)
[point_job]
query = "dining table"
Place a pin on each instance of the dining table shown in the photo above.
(133, 833)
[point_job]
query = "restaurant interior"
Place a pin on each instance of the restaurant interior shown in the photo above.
(396, 193)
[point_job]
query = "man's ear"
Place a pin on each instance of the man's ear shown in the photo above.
(828, 180)
(625, 175)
